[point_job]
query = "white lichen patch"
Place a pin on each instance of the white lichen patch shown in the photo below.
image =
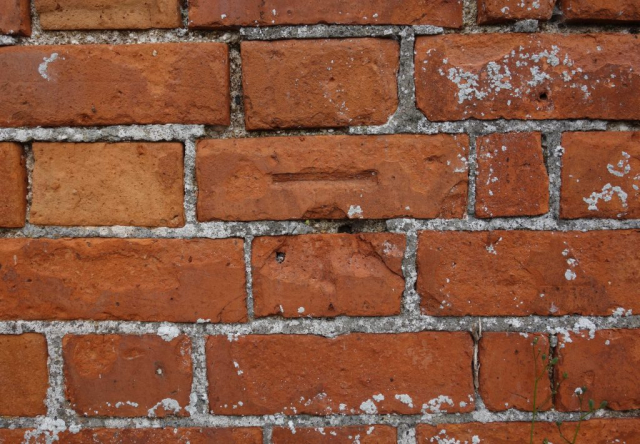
(369, 407)
(168, 332)
(405, 399)
(606, 195)
(170, 405)
(435, 405)
(42, 69)
(355, 211)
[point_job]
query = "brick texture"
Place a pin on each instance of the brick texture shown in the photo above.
(227, 13)
(500, 11)
(328, 275)
(601, 175)
(108, 184)
(352, 374)
(511, 178)
(545, 273)
(332, 177)
(15, 17)
(508, 371)
(129, 376)
(607, 11)
(84, 85)
(24, 375)
(319, 83)
(175, 280)
(521, 76)
(97, 14)
(13, 186)
(606, 362)
(597, 431)
(375, 434)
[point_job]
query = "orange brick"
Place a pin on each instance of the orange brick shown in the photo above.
(375, 434)
(24, 375)
(15, 17)
(601, 11)
(129, 376)
(500, 11)
(13, 186)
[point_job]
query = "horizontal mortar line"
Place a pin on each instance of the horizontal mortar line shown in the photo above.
(225, 230)
(332, 327)
(279, 419)
(127, 37)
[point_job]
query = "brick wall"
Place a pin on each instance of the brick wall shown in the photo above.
(318, 222)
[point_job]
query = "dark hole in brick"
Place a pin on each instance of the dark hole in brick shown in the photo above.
(280, 257)
(543, 96)
(347, 228)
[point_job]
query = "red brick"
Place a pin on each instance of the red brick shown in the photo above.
(507, 371)
(319, 83)
(13, 186)
(512, 178)
(169, 435)
(332, 177)
(528, 76)
(224, 13)
(15, 17)
(607, 11)
(375, 434)
(520, 273)
(601, 175)
(97, 14)
(175, 280)
(606, 363)
(328, 275)
(108, 184)
(24, 375)
(596, 431)
(84, 85)
(350, 374)
(500, 11)
(113, 375)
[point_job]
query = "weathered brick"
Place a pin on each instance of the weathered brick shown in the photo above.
(98, 14)
(108, 184)
(508, 371)
(328, 275)
(520, 273)
(168, 435)
(526, 76)
(114, 375)
(500, 11)
(601, 175)
(606, 363)
(225, 13)
(595, 431)
(24, 375)
(13, 186)
(15, 17)
(351, 374)
(332, 177)
(177, 280)
(84, 85)
(512, 178)
(375, 434)
(607, 11)
(319, 83)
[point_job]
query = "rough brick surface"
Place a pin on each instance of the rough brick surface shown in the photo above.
(352, 374)
(15, 17)
(606, 363)
(108, 184)
(522, 76)
(328, 275)
(319, 83)
(607, 11)
(520, 273)
(24, 375)
(375, 434)
(507, 371)
(500, 11)
(511, 176)
(601, 175)
(83, 85)
(332, 177)
(128, 279)
(596, 431)
(13, 186)
(98, 14)
(235, 13)
(113, 375)
(169, 435)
